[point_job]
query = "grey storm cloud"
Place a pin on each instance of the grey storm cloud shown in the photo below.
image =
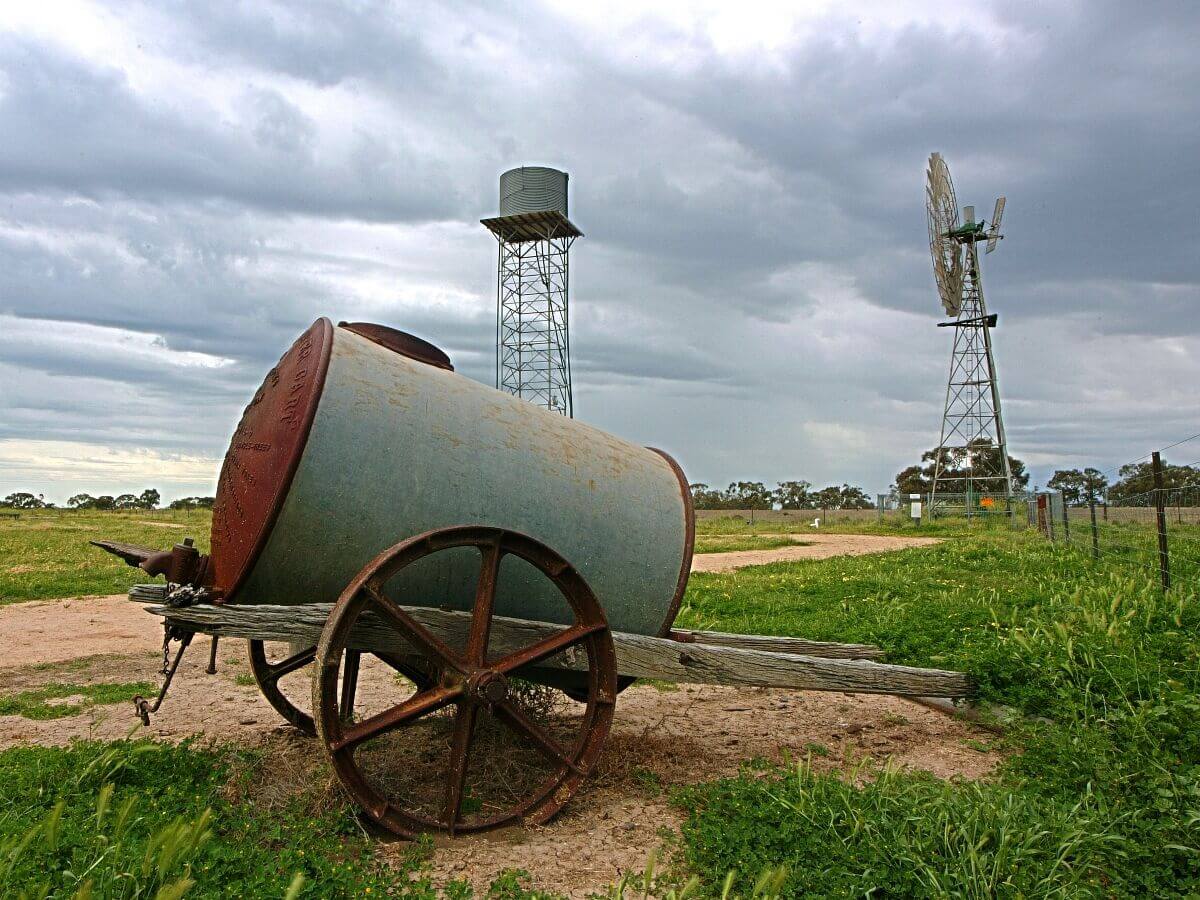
(754, 289)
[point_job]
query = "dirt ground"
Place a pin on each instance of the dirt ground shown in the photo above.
(660, 737)
(818, 546)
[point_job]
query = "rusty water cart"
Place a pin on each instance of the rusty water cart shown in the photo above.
(500, 571)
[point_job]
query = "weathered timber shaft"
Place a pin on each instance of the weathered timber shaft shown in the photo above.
(638, 656)
(824, 649)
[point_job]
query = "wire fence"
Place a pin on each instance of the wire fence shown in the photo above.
(1155, 532)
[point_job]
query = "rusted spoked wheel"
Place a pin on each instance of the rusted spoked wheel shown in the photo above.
(268, 673)
(485, 745)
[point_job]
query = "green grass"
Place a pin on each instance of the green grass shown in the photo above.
(1100, 797)
(1103, 800)
(729, 525)
(37, 703)
(45, 553)
(731, 543)
(132, 818)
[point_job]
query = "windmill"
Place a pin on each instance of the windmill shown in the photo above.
(971, 459)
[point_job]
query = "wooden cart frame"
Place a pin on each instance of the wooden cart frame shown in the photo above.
(469, 661)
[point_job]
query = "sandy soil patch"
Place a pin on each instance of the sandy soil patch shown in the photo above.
(660, 738)
(818, 546)
(50, 631)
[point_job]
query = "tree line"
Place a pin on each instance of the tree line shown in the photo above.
(957, 463)
(785, 495)
(147, 499)
(1078, 486)
(1136, 480)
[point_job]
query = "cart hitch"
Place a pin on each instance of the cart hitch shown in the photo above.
(182, 564)
(170, 633)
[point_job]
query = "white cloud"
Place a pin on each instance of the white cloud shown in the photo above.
(79, 342)
(59, 469)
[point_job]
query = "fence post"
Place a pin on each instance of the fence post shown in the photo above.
(1066, 521)
(1050, 516)
(1095, 531)
(1160, 510)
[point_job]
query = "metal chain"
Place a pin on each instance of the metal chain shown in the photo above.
(166, 663)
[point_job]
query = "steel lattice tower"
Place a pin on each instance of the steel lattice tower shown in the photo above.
(533, 347)
(972, 437)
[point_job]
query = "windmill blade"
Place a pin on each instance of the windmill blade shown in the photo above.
(994, 234)
(941, 207)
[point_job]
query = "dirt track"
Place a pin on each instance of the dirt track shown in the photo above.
(819, 546)
(660, 738)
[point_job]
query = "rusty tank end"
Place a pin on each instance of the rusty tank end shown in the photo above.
(263, 456)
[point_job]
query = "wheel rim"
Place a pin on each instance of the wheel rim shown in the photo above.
(482, 691)
(268, 674)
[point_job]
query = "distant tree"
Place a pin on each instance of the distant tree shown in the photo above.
(126, 501)
(149, 499)
(852, 497)
(81, 501)
(791, 494)
(204, 503)
(827, 498)
(913, 480)
(918, 479)
(1137, 480)
(703, 497)
(105, 501)
(1078, 487)
(25, 500)
(748, 495)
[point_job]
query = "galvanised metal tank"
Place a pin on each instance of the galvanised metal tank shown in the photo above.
(533, 189)
(362, 436)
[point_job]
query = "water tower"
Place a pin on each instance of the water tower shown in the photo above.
(533, 357)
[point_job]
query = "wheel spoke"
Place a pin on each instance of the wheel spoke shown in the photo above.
(547, 647)
(460, 746)
(349, 682)
(414, 707)
(509, 713)
(485, 600)
(291, 664)
(410, 669)
(413, 630)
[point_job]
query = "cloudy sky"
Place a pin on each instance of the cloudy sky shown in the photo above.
(184, 187)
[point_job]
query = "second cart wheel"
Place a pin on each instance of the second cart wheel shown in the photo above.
(272, 664)
(486, 745)
(268, 673)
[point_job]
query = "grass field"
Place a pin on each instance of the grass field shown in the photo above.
(722, 543)
(1099, 796)
(1101, 800)
(45, 553)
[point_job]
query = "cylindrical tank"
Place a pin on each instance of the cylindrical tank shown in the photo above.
(356, 441)
(533, 189)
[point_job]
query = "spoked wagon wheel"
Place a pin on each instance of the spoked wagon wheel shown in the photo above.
(269, 668)
(485, 745)
(268, 674)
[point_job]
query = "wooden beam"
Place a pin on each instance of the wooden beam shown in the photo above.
(638, 656)
(824, 649)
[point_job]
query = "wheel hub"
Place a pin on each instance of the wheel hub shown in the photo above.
(487, 686)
